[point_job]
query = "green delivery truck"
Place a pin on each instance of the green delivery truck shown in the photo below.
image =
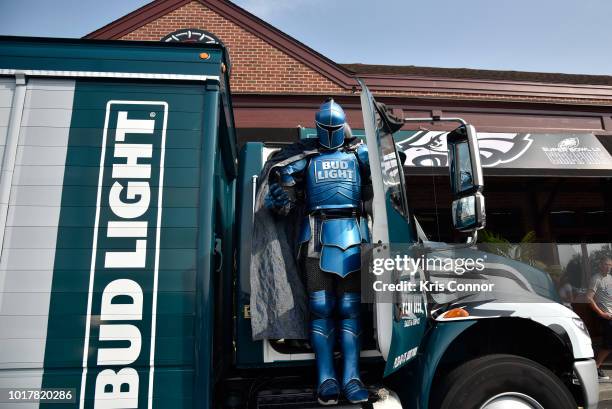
(126, 217)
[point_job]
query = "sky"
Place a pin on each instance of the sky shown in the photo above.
(569, 36)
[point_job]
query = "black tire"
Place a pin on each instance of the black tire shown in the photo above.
(472, 384)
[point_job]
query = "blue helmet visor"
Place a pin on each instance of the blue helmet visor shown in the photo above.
(330, 136)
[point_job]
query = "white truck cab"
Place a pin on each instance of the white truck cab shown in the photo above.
(518, 347)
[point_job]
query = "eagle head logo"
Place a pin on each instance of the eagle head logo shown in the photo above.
(568, 143)
(428, 148)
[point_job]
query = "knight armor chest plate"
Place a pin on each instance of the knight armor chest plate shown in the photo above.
(333, 181)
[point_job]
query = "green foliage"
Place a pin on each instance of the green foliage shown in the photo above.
(596, 256)
(524, 250)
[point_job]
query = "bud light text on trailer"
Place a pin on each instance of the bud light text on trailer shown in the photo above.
(122, 293)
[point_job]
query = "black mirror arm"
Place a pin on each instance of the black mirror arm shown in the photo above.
(390, 121)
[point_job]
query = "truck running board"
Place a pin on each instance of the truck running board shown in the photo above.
(380, 398)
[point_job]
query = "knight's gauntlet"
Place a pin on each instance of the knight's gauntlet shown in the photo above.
(289, 200)
(279, 199)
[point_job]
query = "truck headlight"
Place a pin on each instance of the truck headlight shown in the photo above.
(580, 324)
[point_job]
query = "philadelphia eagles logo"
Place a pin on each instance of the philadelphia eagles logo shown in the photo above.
(428, 148)
(568, 143)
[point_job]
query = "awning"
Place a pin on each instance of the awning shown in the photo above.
(511, 154)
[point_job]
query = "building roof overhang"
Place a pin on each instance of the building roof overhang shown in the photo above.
(420, 82)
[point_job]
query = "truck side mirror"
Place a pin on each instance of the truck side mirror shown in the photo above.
(469, 213)
(464, 161)
(466, 180)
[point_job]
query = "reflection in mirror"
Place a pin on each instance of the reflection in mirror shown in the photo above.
(469, 213)
(464, 161)
(465, 181)
(392, 172)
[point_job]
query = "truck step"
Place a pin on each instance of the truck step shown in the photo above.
(380, 398)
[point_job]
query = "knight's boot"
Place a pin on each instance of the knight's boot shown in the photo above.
(350, 332)
(322, 333)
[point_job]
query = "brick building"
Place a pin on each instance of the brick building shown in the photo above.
(271, 70)
(278, 82)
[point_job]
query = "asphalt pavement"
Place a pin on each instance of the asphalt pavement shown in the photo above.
(605, 391)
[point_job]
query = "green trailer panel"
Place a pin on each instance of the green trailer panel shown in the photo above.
(112, 163)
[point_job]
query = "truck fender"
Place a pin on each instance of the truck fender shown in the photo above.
(554, 316)
(433, 348)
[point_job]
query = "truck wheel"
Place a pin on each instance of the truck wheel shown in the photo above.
(500, 382)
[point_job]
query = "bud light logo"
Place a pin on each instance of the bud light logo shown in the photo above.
(335, 169)
(122, 299)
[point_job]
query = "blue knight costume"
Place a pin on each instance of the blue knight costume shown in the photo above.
(330, 185)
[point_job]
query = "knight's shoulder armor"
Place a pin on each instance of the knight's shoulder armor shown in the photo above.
(364, 159)
(362, 154)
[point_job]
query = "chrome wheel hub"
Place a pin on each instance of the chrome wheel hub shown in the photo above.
(511, 400)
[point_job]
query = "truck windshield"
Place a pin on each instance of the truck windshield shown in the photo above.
(392, 171)
(392, 221)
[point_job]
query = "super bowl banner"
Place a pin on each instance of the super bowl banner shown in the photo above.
(512, 150)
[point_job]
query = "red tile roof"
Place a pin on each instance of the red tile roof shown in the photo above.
(470, 73)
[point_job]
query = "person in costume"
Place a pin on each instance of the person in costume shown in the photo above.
(329, 186)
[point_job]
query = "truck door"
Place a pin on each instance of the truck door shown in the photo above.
(400, 318)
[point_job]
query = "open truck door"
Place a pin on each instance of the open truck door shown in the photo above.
(400, 320)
